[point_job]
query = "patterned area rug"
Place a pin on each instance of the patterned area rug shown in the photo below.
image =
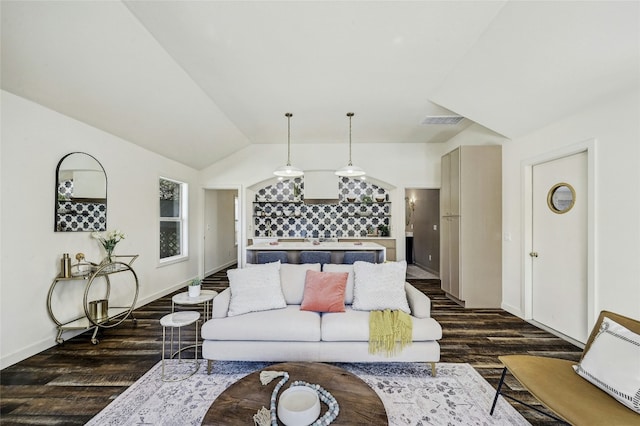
(457, 396)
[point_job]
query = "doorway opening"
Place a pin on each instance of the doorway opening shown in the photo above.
(221, 229)
(422, 232)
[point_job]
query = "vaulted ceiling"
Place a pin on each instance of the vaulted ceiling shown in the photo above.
(198, 80)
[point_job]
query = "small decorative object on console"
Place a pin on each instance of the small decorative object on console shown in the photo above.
(81, 268)
(65, 266)
(109, 241)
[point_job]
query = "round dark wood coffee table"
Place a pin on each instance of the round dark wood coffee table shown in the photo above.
(359, 404)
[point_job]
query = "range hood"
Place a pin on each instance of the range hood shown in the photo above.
(320, 187)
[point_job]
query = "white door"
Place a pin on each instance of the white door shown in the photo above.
(559, 252)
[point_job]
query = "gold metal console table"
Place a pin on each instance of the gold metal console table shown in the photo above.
(98, 296)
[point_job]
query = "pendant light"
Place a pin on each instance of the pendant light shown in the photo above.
(288, 170)
(350, 170)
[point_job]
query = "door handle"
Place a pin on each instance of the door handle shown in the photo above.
(533, 254)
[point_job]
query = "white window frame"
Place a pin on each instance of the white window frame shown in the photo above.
(182, 219)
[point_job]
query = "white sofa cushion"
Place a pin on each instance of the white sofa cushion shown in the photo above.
(221, 304)
(336, 267)
(288, 324)
(419, 303)
(353, 326)
(292, 278)
(255, 289)
(379, 286)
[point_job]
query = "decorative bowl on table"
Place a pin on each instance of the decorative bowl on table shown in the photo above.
(380, 198)
(81, 269)
(298, 406)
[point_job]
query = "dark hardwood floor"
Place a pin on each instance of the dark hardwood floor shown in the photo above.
(70, 383)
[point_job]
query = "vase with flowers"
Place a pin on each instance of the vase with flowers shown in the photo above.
(108, 240)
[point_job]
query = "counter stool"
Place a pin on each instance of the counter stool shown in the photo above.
(179, 320)
(272, 256)
(350, 257)
(320, 257)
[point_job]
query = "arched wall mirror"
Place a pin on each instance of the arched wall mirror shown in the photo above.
(81, 194)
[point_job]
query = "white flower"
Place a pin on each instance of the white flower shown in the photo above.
(109, 240)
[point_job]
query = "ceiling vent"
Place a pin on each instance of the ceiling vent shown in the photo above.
(450, 120)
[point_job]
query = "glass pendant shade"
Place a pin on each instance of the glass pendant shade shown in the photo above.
(350, 170)
(288, 170)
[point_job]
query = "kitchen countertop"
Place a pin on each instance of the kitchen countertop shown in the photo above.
(302, 245)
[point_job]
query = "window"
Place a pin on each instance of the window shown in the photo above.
(173, 220)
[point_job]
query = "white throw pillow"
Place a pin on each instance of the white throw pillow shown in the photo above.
(255, 289)
(340, 267)
(292, 278)
(380, 286)
(612, 363)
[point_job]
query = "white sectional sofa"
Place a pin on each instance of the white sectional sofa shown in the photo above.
(292, 334)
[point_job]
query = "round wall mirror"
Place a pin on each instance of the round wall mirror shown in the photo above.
(81, 194)
(561, 198)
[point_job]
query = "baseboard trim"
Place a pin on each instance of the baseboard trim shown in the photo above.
(49, 342)
(557, 333)
(220, 268)
(513, 310)
(454, 299)
(162, 293)
(32, 350)
(426, 268)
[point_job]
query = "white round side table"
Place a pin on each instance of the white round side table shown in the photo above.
(205, 298)
(179, 320)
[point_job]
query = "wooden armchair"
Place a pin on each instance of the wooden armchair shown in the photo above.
(573, 399)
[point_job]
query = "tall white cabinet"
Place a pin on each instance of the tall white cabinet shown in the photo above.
(471, 226)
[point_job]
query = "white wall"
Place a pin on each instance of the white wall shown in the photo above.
(33, 141)
(613, 122)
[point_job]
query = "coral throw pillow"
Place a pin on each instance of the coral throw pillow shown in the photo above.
(324, 291)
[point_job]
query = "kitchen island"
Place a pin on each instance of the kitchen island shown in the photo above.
(337, 249)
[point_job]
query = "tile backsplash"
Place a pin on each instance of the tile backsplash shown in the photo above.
(279, 211)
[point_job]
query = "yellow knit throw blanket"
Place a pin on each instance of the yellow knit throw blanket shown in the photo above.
(386, 328)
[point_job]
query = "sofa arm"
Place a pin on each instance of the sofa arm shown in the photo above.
(221, 304)
(419, 303)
